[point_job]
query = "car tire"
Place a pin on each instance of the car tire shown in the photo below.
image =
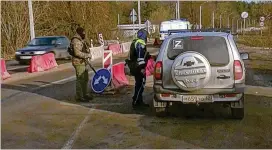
(237, 113)
(23, 63)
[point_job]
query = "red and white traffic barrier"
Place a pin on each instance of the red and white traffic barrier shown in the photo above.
(41, 63)
(107, 61)
(150, 67)
(4, 72)
(115, 48)
(119, 78)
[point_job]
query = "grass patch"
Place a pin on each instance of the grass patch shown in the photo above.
(254, 131)
(255, 40)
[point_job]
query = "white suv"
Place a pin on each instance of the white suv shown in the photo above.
(199, 67)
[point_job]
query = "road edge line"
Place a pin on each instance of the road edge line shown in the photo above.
(69, 144)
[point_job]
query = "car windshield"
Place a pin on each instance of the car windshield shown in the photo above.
(214, 48)
(42, 41)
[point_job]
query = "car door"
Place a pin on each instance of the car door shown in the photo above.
(61, 47)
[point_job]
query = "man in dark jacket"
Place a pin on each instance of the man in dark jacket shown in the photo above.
(140, 56)
(81, 53)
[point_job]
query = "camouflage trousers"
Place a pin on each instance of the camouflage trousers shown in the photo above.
(82, 79)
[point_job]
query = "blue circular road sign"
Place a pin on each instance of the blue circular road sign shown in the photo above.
(100, 80)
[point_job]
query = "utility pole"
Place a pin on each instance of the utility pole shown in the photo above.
(237, 25)
(200, 10)
(31, 22)
(220, 20)
(244, 26)
(229, 19)
(200, 15)
(178, 9)
(139, 13)
(118, 19)
(213, 19)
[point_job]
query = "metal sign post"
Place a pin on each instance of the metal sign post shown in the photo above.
(31, 22)
(262, 24)
(133, 18)
(244, 15)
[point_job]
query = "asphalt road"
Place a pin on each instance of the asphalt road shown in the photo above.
(41, 113)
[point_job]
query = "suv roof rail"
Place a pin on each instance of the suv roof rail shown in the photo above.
(227, 30)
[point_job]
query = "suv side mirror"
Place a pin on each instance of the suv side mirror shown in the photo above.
(244, 56)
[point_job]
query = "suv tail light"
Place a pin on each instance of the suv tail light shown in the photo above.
(158, 70)
(238, 70)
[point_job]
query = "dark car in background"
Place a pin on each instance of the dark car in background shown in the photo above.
(41, 45)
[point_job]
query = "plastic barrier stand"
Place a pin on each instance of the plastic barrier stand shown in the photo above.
(37, 64)
(41, 63)
(4, 72)
(150, 67)
(119, 78)
(50, 61)
(115, 48)
(125, 47)
(97, 52)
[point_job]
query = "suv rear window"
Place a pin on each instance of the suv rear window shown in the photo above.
(214, 48)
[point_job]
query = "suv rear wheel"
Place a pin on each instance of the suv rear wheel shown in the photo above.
(237, 113)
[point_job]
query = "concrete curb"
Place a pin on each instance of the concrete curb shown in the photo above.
(258, 91)
(25, 75)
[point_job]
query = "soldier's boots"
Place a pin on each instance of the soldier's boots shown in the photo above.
(86, 98)
(139, 104)
(82, 100)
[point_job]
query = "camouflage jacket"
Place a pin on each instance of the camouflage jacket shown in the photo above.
(81, 50)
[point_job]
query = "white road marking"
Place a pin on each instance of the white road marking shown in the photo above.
(42, 86)
(69, 144)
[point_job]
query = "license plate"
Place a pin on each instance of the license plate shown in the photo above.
(197, 98)
(26, 57)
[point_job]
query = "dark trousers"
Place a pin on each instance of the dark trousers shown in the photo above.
(140, 81)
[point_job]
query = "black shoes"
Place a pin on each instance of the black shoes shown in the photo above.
(86, 98)
(82, 100)
(139, 104)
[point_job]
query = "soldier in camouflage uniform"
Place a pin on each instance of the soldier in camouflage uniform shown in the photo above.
(81, 53)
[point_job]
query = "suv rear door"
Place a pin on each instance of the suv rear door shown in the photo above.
(216, 50)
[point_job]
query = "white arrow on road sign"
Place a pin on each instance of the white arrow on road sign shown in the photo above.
(133, 12)
(262, 19)
(96, 81)
(105, 80)
(244, 15)
(133, 15)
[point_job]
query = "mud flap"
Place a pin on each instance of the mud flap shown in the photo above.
(238, 104)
